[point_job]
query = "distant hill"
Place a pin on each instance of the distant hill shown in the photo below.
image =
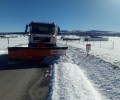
(75, 32)
(16, 33)
(90, 33)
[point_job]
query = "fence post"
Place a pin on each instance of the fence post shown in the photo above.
(8, 41)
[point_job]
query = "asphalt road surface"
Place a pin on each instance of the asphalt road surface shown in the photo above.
(24, 84)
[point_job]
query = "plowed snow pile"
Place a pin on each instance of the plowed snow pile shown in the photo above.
(70, 83)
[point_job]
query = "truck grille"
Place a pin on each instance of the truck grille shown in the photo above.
(46, 39)
(42, 39)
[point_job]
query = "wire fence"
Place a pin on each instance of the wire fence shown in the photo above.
(112, 43)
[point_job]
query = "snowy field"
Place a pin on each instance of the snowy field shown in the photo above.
(106, 50)
(76, 76)
(20, 40)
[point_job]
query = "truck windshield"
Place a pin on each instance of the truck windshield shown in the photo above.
(42, 30)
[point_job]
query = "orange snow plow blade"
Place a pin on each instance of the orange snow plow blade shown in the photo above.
(34, 54)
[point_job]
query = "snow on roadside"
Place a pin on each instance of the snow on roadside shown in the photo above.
(106, 79)
(3, 51)
(17, 41)
(104, 75)
(70, 83)
(104, 51)
(21, 41)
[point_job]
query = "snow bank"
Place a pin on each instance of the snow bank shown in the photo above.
(70, 83)
(105, 76)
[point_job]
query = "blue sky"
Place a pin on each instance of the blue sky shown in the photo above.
(68, 14)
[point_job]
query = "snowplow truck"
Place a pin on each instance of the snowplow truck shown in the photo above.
(42, 43)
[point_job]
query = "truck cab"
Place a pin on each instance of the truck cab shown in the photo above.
(42, 34)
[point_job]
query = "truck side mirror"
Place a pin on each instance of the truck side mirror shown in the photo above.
(26, 28)
(58, 30)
